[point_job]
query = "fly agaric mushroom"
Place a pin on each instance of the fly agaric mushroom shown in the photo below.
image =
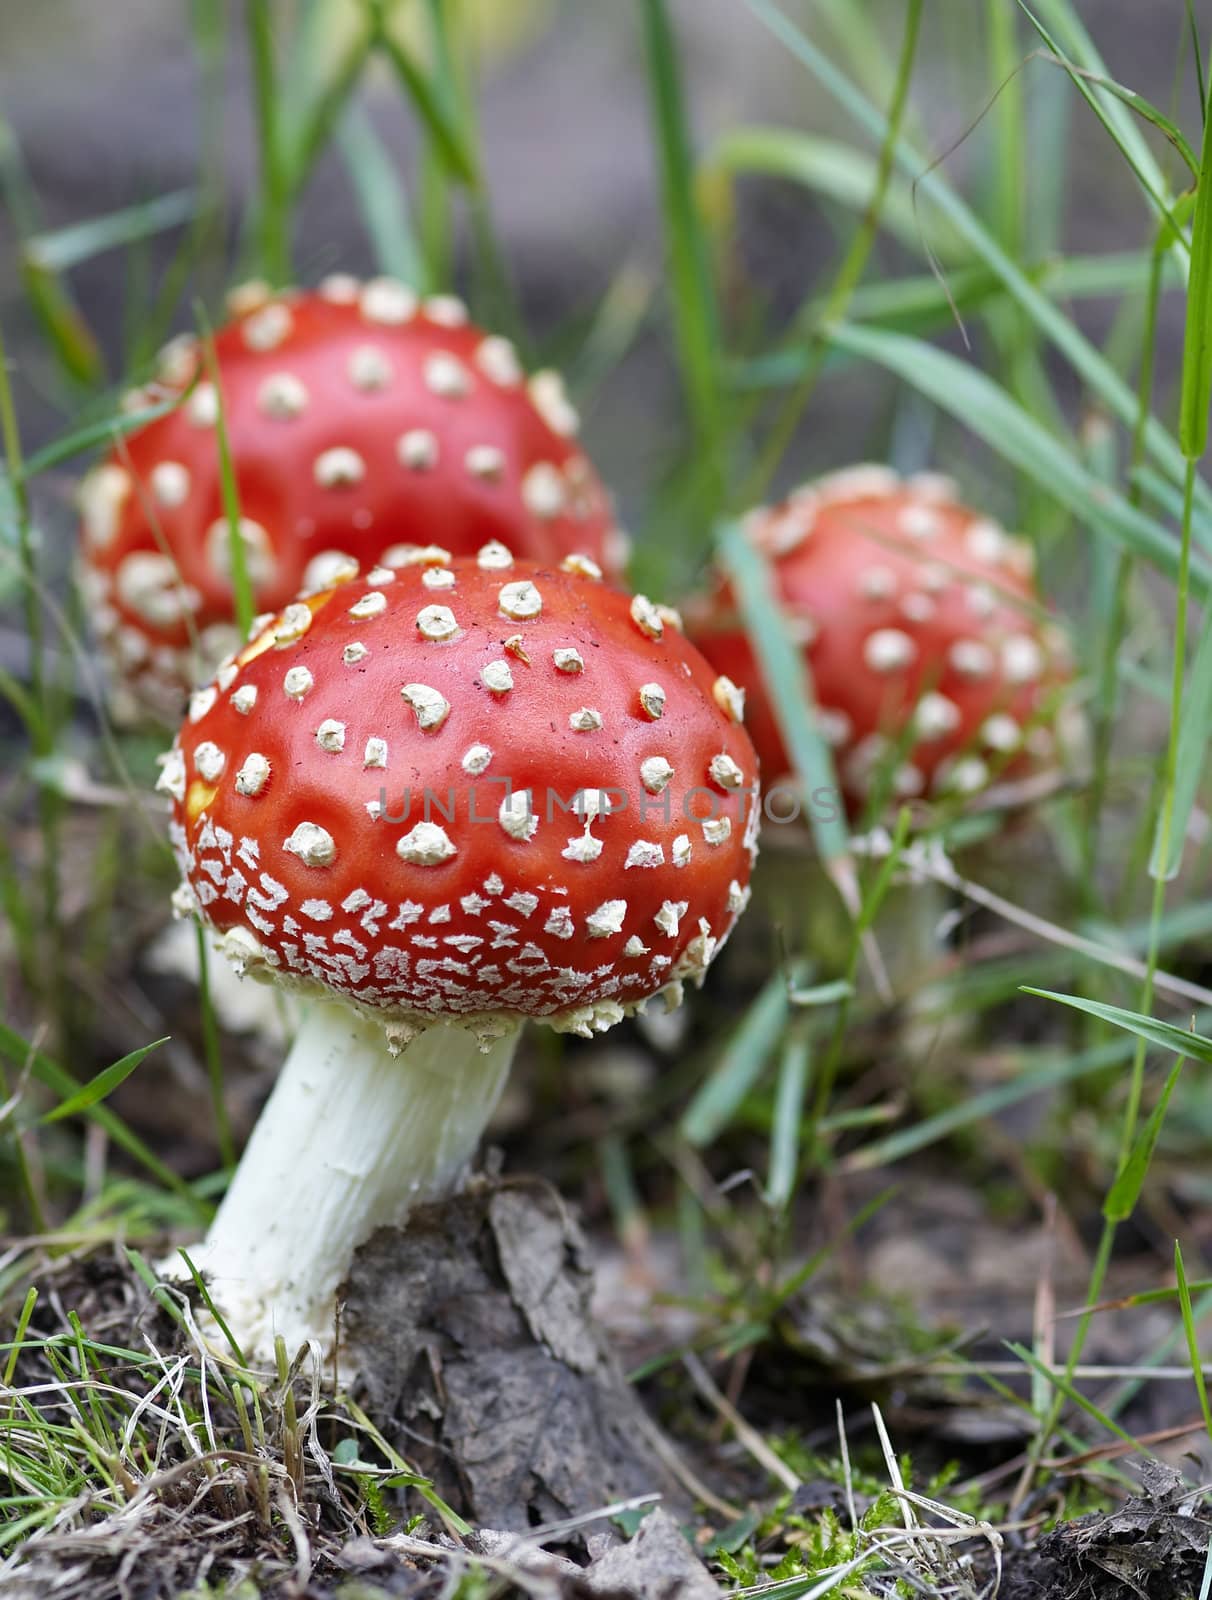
(921, 625)
(441, 800)
(357, 415)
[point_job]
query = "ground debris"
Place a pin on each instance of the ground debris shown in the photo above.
(1155, 1546)
(375, 1571)
(196, 1483)
(481, 1363)
(657, 1564)
(874, 1347)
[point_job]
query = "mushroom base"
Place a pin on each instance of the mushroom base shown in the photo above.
(350, 1140)
(480, 1360)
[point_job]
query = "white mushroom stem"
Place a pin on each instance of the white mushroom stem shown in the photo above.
(350, 1139)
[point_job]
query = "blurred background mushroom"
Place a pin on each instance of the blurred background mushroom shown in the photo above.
(357, 418)
(934, 667)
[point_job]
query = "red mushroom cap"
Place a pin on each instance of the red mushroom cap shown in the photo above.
(469, 789)
(358, 418)
(909, 606)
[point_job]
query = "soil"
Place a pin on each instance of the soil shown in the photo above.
(1154, 1547)
(482, 1364)
(479, 1361)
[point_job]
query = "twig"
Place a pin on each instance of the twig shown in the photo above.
(662, 1447)
(927, 859)
(847, 1473)
(748, 1436)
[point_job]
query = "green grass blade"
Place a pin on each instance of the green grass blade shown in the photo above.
(81, 241)
(323, 115)
(153, 1283)
(822, 994)
(307, 61)
(1140, 1023)
(435, 219)
(49, 294)
(806, 1271)
(788, 682)
(984, 407)
(1062, 30)
(869, 894)
(1197, 53)
(1110, 621)
(25, 547)
(208, 1301)
(1197, 346)
(382, 200)
(1049, 134)
(1122, 1197)
(1085, 80)
(607, 336)
(58, 1078)
(828, 168)
(622, 1192)
(859, 36)
(435, 189)
(1194, 732)
(69, 335)
(1059, 329)
(1148, 112)
(920, 305)
(79, 440)
(1152, 1297)
(103, 1085)
(23, 1321)
(1168, 839)
(1065, 1388)
(794, 1069)
(273, 208)
(1189, 1328)
(849, 273)
(992, 1102)
(1169, 500)
(454, 1522)
(696, 315)
(14, 692)
(741, 1065)
(242, 590)
(438, 118)
(1163, 1034)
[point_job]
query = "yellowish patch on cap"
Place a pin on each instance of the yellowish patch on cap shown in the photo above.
(198, 796)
